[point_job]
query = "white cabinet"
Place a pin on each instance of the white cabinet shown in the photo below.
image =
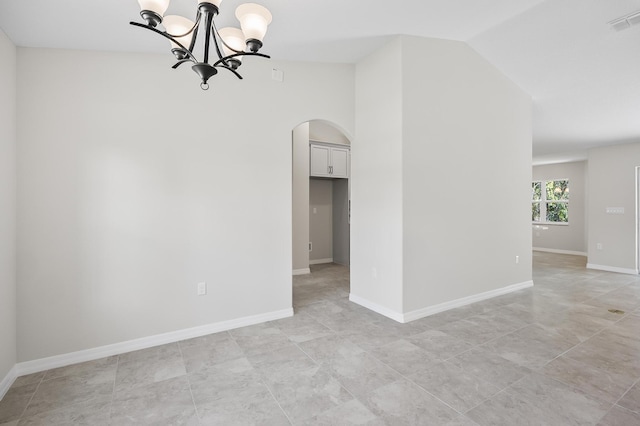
(328, 161)
(339, 162)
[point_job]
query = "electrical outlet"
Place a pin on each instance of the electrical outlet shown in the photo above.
(202, 289)
(599, 246)
(615, 210)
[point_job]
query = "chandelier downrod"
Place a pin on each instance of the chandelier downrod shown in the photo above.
(229, 44)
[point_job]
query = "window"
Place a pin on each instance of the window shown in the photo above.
(550, 201)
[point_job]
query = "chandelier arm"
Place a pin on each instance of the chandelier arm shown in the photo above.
(166, 35)
(216, 35)
(224, 59)
(195, 26)
(227, 67)
(182, 61)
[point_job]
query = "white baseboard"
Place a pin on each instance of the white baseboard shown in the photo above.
(43, 364)
(320, 261)
(612, 269)
(431, 310)
(396, 316)
(8, 380)
(548, 250)
(302, 271)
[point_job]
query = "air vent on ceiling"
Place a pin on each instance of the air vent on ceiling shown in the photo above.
(626, 21)
(634, 19)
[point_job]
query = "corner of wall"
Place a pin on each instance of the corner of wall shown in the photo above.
(8, 146)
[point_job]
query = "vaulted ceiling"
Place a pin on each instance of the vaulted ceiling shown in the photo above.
(583, 76)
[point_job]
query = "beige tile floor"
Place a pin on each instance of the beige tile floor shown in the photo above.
(549, 355)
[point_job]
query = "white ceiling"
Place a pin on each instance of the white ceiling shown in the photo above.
(584, 78)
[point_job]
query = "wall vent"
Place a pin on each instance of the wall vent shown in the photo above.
(625, 22)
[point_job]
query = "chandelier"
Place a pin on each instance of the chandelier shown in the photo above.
(229, 44)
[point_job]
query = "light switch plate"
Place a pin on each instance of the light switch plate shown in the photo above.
(277, 75)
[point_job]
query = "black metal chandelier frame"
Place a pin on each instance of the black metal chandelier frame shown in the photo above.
(204, 69)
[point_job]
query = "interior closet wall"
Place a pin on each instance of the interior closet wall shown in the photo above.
(321, 220)
(300, 199)
(329, 221)
(341, 239)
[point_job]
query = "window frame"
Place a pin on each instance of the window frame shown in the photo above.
(543, 202)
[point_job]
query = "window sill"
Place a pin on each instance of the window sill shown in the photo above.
(539, 224)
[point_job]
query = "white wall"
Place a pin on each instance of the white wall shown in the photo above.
(436, 127)
(325, 132)
(300, 205)
(466, 175)
(571, 238)
(612, 183)
(321, 219)
(134, 185)
(7, 207)
(376, 180)
(341, 227)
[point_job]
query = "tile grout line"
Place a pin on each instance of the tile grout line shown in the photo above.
(623, 395)
(32, 396)
(321, 365)
(411, 381)
(585, 341)
(502, 391)
(193, 400)
(113, 392)
(278, 402)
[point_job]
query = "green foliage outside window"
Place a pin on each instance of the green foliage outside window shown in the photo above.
(557, 212)
(535, 212)
(552, 204)
(557, 190)
(536, 191)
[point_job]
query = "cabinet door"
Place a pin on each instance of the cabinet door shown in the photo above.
(319, 160)
(339, 163)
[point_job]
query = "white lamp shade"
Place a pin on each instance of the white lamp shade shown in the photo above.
(157, 6)
(254, 20)
(234, 37)
(178, 26)
(213, 2)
